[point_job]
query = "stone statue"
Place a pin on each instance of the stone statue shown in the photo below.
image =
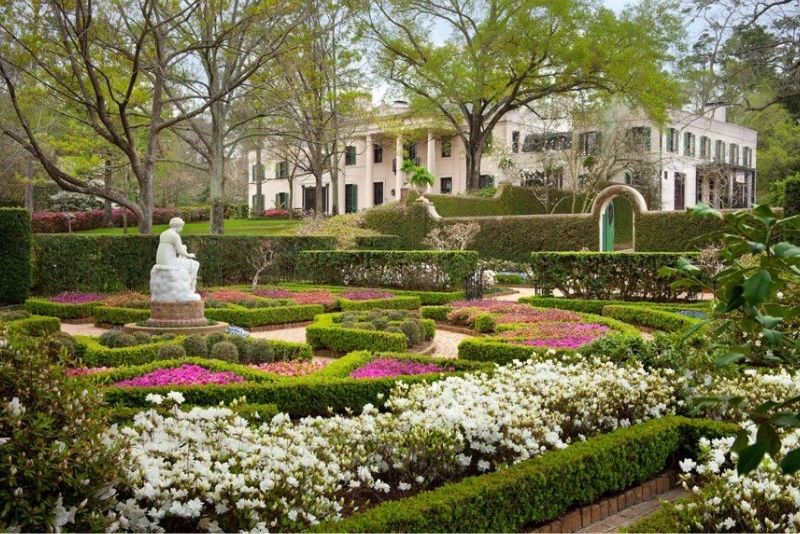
(174, 276)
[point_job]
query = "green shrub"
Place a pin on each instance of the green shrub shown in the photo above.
(543, 488)
(241, 343)
(213, 339)
(390, 268)
(260, 351)
(57, 309)
(253, 317)
(596, 306)
(378, 242)
(486, 350)
(650, 317)
(54, 451)
(324, 333)
(61, 341)
(603, 275)
(125, 340)
(13, 315)
(673, 231)
(195, 346)
(124, 262)
(119, 316)
(170, 352)
(401, 303)
(413, 332)
(485, 323)
(142, 338)
(35, 325)
(225, 351)
(15, 255)
(109, 338)
(791, 197)
(437, 313)
(94, 354)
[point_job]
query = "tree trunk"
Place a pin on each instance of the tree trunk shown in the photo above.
(335, 181)
(474, 151)
(258, 205)
(146, 203)
(318, 206)
(217, 168)
(291, 199)
(108, 214)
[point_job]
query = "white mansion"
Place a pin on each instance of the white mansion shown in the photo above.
(692, 158)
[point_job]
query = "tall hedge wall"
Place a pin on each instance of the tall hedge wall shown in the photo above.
(791, 198)
(15, 255)
(510, 200)
(113, 263)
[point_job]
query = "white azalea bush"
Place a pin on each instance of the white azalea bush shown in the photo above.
(765, 500)
(208, 469)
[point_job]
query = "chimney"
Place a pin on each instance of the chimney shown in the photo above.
(718, 111)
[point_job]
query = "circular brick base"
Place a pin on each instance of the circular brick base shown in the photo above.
(132, 328)
(177, 314)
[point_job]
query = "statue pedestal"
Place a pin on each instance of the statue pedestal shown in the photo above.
(180, 318)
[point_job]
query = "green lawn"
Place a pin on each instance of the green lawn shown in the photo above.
(232, 227)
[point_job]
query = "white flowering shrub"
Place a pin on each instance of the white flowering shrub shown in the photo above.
(753, 387)
(764, 500)
(207, 469)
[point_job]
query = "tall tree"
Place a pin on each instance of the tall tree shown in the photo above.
(502, 54)
(247, 34)
(111, 68)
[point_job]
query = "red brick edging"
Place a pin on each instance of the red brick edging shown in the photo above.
(270, 327)
(588, 515)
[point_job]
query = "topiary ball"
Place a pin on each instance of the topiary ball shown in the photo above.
(225, 351)
(213, 339)
(393, 329)
(109, 339)
(125, 340)
(413, 331)
(240, 342)
(396, 315)
(195, 346)
(61, 341)
(364, 326)
(260, 351)
(380, 324)
(170, 352)
(349, 317)
(142, 338)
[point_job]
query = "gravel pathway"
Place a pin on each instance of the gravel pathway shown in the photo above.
(82, 329)
(636, 512)
(446, 343)
(296, 334)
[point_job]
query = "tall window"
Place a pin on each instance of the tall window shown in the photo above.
(688, 144)
(672, 140)
(446, 183)
(733, 154)
(350, 155)
(705, 147)
(747, 156)
(411, 151)
(589, 142)
(282, 200)
(514, 142)
(258, 173)
(282, 170)
(680, 191)
(377, 153)
(447, 148)
(719, 152)
(640, 137)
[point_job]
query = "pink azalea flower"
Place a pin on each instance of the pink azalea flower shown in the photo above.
(386, 367)
(366, 294)
(185, 375)
(76, 297)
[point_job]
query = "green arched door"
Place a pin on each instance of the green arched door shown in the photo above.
(607, 244)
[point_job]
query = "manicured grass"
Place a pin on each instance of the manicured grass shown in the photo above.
(232, 227)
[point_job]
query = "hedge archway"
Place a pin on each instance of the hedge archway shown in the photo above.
(606, 196)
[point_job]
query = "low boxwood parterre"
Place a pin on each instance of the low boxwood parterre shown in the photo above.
(603, 275)
(427, 298)
(254, 317)
(596, 305)
(62, 310)
(665, 320)
(412, 269)
(543, 488)
(327, 332)
(395, 303)
(35, 326)
(104, 315)
(342, 367)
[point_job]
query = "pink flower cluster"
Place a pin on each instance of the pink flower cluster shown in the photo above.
(556, 334)
(185, 375)
(82, 371)
(537, 315)
(131, 299)
(227, 296)
(276, 293)
(76, 297)
(276, 213)
(366, 294)
(571, 342)
(52, 222)
(386, 367)
(291, 367)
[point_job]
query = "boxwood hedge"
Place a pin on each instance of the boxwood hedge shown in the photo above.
(395, 303)
(93, 354)
(254, 317)
(665, 320)
(35, 325)
(40, 306)
(390, 268)
(596, 305)
(791, 197)
(124, 262)
(15, 255)
(327, 334)
(543, 488)
(607, 275)
(119, 316)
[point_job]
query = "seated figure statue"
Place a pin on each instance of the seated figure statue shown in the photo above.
(174, 276)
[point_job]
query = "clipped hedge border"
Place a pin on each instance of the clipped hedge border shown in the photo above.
(93, 354)
(108, 378)
(436, 313)
(389, 268)
(342, 367)
(119, 316)
(35, 325)
(378, 242)
(61, 310)
(395, 303)
(596, 306)
(254, 317)
(427, 298)
(15, 255)
(543, 488)
(650, 317)
(325, 333)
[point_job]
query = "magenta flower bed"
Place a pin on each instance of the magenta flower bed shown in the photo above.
(274, 293)
(366, 294)
(82, 371)
(556, 335)
(76, 297)
(312, 296)
(385, 367)
(185, 375)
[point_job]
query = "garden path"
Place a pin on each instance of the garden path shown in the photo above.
(520, 292)
(82, 329)
(628, 516)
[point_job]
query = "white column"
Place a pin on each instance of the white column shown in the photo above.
(366, 189)
(431, 157)
(398, 176)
